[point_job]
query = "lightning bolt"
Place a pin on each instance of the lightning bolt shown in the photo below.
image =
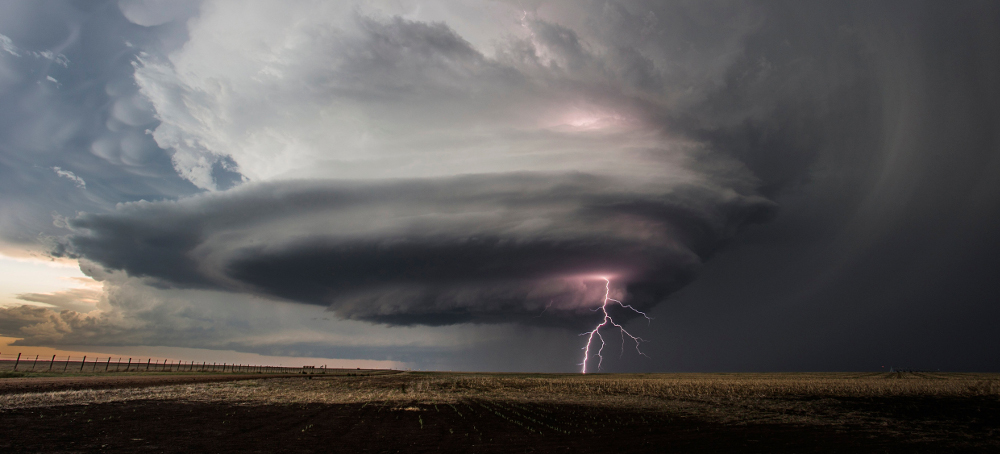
(609, 321)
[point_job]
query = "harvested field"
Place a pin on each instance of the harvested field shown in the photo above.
(24, 385)
(445, 412)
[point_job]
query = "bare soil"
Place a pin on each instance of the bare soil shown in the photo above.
(484, 413)
(157, 426)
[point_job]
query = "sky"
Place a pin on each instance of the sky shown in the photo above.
(460, 185)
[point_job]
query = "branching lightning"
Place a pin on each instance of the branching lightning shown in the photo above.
(606, 321)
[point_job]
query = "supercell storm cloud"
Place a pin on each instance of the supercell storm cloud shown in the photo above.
(397, 174)
(448, 183)
(484, 248)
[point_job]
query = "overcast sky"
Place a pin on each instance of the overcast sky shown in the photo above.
(447, 184)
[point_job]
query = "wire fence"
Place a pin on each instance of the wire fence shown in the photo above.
(17, 362)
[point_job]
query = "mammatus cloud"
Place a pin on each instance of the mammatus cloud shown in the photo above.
(71, 111)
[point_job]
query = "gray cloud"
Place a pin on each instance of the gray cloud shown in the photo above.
(488, 248)
(72, 111)
(434, 163)
(77, 299)
(422, 206)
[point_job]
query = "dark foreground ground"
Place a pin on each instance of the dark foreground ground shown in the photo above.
(490, 423)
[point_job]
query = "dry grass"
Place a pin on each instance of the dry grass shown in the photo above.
(637, 391)
(958, 409)
(829, 399)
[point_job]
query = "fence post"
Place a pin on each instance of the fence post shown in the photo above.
(129, 366)
(52, 362)
(147, 363)
(33, 364)
(94, 368)
(84, 361)
(108, 364)
(67, 363)
(17, 361)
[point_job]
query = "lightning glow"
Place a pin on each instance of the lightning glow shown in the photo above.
(606, 321)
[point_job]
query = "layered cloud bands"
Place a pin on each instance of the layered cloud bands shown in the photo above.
(401, 172)
(480, 248)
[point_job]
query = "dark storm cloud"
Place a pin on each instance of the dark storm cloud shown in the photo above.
(629, 137)
(489, 248)
(874, 126)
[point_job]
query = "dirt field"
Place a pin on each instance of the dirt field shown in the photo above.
(437, 412)
(21, 385)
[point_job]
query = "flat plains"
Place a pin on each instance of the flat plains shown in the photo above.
(387, 411)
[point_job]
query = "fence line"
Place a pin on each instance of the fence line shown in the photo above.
(68, 364)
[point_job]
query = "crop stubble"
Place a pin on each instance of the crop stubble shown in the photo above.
(499, 412)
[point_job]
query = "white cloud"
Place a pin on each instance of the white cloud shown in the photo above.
(56, 58)
(331, 90)
(8, 45)
(70, 176)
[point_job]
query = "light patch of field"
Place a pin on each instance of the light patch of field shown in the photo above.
(803, 397)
